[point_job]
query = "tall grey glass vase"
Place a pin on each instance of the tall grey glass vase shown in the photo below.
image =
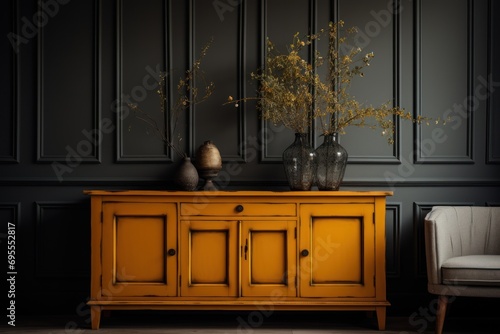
(299, 160)
(332, 160)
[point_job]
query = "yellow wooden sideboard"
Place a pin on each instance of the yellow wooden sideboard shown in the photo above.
(238, 250)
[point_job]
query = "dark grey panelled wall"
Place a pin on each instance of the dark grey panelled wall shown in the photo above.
(70, 66)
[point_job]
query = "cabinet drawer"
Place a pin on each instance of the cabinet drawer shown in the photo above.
(238, 209)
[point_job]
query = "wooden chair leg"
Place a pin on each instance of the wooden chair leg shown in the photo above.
(441, 313)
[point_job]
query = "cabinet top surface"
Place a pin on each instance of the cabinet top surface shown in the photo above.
(239, 193)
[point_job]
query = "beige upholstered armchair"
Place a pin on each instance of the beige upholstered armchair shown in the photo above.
(463, 254)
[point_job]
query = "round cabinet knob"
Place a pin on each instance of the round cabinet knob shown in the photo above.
(171, 252)
(304, 252)
(239, 208)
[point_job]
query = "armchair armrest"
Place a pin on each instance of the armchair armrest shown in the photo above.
(442, 240)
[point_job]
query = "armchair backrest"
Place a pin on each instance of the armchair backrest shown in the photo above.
(466, 230)
(452, 231)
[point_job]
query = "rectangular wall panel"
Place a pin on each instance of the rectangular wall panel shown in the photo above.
(378, 31)
(143, 51)
(68, 83)
(444, 64)
(493, 139)
(224, 65)
(62, 240)
(9, 111)
(392, 231)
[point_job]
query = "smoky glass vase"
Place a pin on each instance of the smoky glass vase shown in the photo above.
(332, 160)
(299, 160)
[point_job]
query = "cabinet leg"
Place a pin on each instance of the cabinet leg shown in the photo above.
(95, 315)
(381, 318)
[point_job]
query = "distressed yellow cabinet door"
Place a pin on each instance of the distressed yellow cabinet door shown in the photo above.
(337, 250)
(268, 258)
(209, 255)
(139, 257)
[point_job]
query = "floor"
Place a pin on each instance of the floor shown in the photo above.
(247, 323)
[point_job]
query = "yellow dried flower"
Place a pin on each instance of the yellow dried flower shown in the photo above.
(290, 86)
